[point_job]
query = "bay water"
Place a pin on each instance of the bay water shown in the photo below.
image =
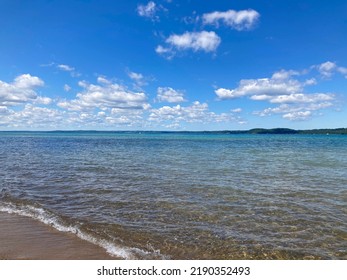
(157, 195)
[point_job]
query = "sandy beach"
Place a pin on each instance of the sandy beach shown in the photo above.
(24, 238)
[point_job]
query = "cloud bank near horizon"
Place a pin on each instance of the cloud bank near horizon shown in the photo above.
(106, 103)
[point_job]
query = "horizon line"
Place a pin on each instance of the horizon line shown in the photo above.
(139, 130)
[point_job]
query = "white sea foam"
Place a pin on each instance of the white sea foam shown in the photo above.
(55, 222)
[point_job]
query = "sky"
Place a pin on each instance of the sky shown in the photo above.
(172, 65)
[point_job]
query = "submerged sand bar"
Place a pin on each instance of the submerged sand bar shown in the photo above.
(25, 238)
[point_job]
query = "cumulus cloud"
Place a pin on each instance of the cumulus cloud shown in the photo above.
(35, 117)
(125, 117)
(328, 69)
(21, 90)
(310, 82)
(283, 88)
(284, 74)
(104, 95)
(260, 87)
(197, 41)
(207, 41)
(178, 113)
(32, 116)
(196, 113)
(4, 110)
(239, 20)
(149, 10)
(43, 100)
(295, 112)
(298, 116)
(26, 81)
(280, 88)
(168, 94)
(301, 98)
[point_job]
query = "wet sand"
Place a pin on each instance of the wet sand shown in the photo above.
(24, 238)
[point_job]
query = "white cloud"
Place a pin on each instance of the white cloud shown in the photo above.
(106, 104)
(301, 98)
(283, 89)
(224, 93)
(149, 10)
(196, 113)
(65, 67)
(178, 113)
(343, 71)
(197, 41)
(4, 110)
(138, 78)
(122, 120)
(125, 117)
(298, 116)
(67, 88)
(295, 112)
(207, 41)
(260, 87)
(326, 69)
(284, 74)
(103, 96)
(310, 82)
(168, 53)
(295, 98)
(239, 20)
(135, 76)
(168, 94)
(33, 117)
(21, 90)
(162, 50)
(100, 80)
(280, 88)
(236, 110)
(26, 81)
(43, 100)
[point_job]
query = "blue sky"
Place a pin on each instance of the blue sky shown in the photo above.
(172, 65)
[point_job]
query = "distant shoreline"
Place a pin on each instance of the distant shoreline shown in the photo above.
(322, 131)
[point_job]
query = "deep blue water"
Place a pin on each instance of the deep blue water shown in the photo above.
(183, 195)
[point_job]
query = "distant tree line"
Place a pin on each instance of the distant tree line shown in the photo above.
(287, 131)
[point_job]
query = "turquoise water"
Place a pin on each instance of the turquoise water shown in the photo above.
(183, 195)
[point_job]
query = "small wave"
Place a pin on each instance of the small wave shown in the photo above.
(56, 222)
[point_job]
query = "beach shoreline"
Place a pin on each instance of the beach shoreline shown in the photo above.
(23, 238)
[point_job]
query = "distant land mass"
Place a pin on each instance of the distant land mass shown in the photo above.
(338, 131)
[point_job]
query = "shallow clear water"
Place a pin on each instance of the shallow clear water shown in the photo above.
(183, 196)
